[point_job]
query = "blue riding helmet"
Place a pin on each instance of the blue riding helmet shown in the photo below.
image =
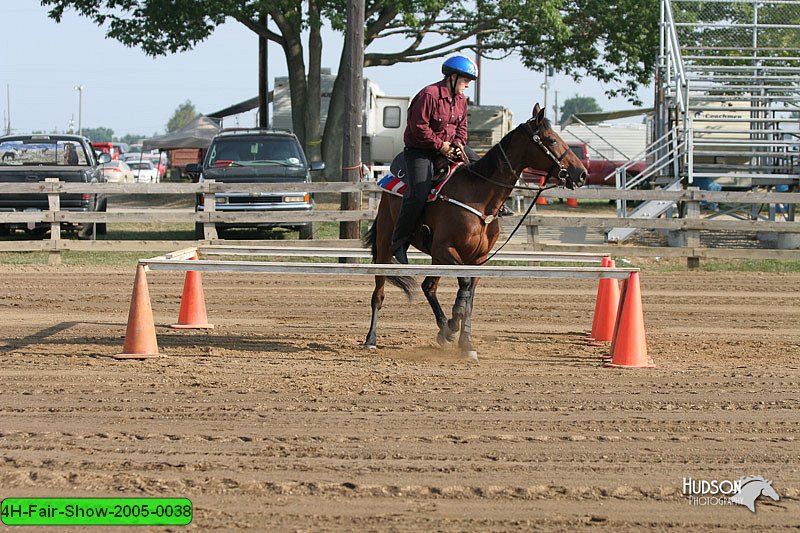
(461, 65)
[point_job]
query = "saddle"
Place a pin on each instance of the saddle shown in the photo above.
(442, 167)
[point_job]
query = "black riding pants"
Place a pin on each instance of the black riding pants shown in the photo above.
(419, 175)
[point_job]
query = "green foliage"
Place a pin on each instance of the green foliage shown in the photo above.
(132, 139)
(578, 104)
(615, 42)
(99, 135)
(183, 115)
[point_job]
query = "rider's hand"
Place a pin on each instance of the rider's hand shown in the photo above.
(459, 154)
(446, 149)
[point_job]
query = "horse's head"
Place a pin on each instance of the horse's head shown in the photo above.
(562, 162)
(769, 491)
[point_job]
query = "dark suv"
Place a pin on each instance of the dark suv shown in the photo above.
(257, 156)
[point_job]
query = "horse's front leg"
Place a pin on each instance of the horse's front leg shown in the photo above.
(462, 312)
(429, 286)
(462, 316)
(377, 302)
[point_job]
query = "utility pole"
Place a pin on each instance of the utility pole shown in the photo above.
(478, 42)
(555, 109)
(544, 86)
(79, 88)
(263, 75)
(353, 103)
(8, 109)
(549, 72)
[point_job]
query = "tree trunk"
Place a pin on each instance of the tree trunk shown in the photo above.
(293, 50)
(313, 102)
(353, 112)
(332, 139)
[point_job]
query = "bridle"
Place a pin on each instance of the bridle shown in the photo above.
(561, 180)
(561, 176)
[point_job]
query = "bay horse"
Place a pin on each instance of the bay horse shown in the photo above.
(460, 227)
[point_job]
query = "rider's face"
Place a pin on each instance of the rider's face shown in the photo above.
(462, 84)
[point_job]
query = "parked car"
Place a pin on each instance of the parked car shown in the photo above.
(117, 172)
(107, 148)
(34, 158)
(144, 171)
(257, 156)
(158, 160)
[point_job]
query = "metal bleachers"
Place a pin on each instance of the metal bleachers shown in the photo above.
(730, 106)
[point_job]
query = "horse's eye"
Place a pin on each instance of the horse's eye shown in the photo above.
(551, 141)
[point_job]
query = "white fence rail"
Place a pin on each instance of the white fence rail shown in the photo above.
(691, 226)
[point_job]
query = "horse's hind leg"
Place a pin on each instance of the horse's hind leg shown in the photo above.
(429, 286)
(377, 302)
(462, 312)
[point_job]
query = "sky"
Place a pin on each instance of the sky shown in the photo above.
(43, 62)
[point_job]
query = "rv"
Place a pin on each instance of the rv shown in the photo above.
(385, 118)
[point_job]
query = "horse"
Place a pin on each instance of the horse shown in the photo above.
(751, 488)
(461, 226)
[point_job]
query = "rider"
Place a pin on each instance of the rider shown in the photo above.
(437, 124)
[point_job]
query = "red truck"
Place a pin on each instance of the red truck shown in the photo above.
(180, 157)
(601, 168)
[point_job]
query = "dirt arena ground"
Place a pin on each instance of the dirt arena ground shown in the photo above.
(277, 421)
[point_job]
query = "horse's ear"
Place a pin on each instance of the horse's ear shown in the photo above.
(536, 109)
(540, 116)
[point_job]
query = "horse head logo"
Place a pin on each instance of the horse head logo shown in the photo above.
(751, 488)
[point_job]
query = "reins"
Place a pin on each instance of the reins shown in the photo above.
(561, 179)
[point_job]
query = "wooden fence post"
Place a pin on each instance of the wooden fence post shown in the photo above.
(210, 206)
(532, 229)
(54, 206)
(692, 235)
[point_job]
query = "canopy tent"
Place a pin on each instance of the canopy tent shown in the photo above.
(604, 116)
(196, 134)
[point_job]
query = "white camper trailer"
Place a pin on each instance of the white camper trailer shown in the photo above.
(385, 118)
(383, 124)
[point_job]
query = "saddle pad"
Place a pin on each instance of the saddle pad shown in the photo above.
(394, 185)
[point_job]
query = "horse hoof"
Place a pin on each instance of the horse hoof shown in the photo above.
(443, 341)
(369, 346)
(470, 356)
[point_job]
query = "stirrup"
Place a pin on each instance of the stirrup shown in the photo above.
(400, 255)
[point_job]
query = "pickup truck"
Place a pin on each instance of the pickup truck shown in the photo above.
(33, 158)
(247, 156)
(599, 169)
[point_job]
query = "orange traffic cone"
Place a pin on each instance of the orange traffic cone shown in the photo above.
(629, 347)
(140, 335)
(606, 308)
(192, 314)
(572, 202)
(541, 200)
(589, 334)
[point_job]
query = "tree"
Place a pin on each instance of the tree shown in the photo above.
(613, 42)
(130, 138)
(184, 114)
(578, 104)
(99, 135)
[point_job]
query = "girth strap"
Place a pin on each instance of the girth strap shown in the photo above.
(487, 219)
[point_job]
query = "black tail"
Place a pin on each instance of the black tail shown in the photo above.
(370, 239)
(404, 283)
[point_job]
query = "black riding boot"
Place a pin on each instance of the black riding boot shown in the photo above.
(404, 227)
(419, 173)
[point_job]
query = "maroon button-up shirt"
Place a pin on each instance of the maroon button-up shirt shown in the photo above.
(435, 117)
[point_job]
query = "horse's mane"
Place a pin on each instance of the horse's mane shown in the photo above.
(494, 157)
(748, 479)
